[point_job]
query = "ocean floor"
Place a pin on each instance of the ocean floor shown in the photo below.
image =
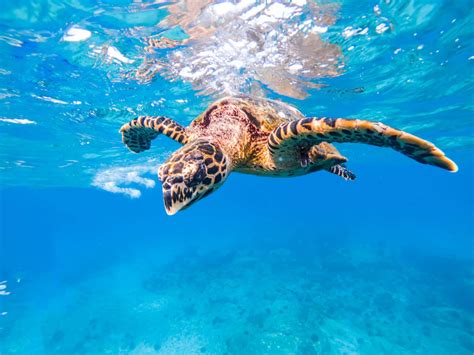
(270, 297)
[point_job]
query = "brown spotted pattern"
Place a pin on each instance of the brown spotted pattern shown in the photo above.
(138, 133)
(191, 173)
(287, 136)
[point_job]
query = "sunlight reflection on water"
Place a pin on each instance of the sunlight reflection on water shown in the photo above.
(72, 73)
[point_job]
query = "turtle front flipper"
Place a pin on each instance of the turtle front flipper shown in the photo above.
(288, 136)
(138, 133)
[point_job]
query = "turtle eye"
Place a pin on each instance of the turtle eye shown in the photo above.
(197, 177)
(194, 156)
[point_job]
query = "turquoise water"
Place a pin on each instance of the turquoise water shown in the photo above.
(89, 261)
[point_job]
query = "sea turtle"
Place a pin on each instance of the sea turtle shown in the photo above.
(262, 137)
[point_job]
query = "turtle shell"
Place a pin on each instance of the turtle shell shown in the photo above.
(264, 113)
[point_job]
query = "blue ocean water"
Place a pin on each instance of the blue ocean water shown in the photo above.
(89, 261)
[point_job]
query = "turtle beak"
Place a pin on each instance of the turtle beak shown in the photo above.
(178, 196)
(169, 207)
(174, 199)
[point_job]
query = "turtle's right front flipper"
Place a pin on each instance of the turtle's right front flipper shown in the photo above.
(138, 133)
(288, 136)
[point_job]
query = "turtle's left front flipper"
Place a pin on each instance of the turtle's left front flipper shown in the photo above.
(339, 130)
(138, 133)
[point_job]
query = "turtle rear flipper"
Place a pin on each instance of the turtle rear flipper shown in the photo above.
(342, 171)
(138, 133)
(286, 137)
(327, 157)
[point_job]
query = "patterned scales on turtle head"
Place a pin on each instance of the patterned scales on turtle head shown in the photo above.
(261, 137)
(191, 173)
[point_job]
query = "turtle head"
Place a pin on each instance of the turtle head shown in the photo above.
(191, 173)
